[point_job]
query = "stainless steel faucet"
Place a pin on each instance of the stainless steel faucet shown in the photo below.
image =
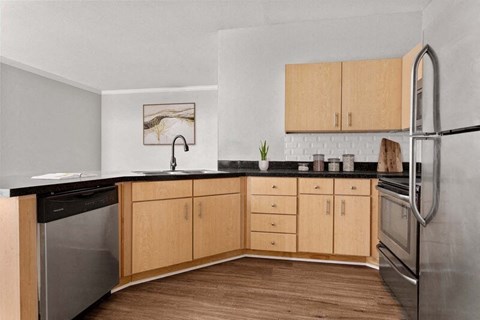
(173, 162)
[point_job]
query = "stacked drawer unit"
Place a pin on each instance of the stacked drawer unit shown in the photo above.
(273, 207)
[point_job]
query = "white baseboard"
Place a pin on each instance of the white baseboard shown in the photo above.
(256, 256)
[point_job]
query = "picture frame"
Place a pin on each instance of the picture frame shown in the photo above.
(163, 121)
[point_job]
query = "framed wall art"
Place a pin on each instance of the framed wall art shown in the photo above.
(162, 122)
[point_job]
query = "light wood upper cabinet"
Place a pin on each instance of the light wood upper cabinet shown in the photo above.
(313, 95)
(216, 225)
(371, 95)
(315, 223)
(352, 225)
(407, 63)
(161, 233)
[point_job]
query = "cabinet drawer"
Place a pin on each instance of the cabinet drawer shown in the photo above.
(274, 186)
(158, 190)
(354, 187)
(274, 204)
(315, 186)
(273, 241)
(206, 187)
(274, 223)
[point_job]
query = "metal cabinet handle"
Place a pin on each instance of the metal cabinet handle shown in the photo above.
(186, 211)
(272, 243)
(274, 186)
(274, 205)
(349, 119)
(342, 207)
(317, 187)
(327, 207)
(273, 224)
(199, 209)
(353, 187)
(392, 264)
(335, 119)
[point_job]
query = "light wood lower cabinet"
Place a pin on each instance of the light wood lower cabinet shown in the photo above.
(162, 233)
(315, 223)
(216, 225)
(352, 226)
(338, 223)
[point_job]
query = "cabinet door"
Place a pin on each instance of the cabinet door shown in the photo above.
(371, 95)
(216, 225)
(352, 226)
(407, 63)
(315, 223)
(313, 95)
(161, 233)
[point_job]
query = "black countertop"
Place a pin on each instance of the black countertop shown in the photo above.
(13, 186)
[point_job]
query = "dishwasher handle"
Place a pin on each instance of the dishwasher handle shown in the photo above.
(60, 206)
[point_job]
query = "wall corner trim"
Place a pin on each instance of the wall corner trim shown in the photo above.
(156, 90)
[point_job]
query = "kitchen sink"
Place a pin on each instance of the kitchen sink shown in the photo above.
(177, 172)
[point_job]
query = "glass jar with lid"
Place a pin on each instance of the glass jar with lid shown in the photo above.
(334, 164)
(348, 162)
(318, 162)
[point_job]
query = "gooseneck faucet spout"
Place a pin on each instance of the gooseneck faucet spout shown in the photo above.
(173, 162)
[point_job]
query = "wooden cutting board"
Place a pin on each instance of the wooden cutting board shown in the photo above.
(390, 157)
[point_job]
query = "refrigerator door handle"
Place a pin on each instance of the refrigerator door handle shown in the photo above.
(392, 264)
(427, 50)
(412, 194)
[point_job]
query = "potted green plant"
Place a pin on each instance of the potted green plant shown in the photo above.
(263, 163)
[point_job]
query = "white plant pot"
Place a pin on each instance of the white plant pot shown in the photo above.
(263, 165)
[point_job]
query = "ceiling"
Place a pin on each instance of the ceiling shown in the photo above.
(110, 45)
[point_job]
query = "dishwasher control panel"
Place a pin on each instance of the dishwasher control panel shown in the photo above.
(59, 206)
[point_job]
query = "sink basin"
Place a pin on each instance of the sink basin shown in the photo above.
(179, 172)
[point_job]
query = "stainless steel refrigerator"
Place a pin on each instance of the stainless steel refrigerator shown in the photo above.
(449, 144)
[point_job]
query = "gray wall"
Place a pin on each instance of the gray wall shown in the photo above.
(251, 70)
(122, 132)
(46, 125)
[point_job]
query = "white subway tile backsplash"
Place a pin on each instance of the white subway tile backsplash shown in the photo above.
(365, 146)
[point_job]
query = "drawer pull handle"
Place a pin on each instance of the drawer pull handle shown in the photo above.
(335, 119)
(200, 210)
(186, 211)
(349, 119)
(317, 187)
(343, 207)
(273, 243)
(327, 208)
(354, 188)
(273, 224)
(274, 186)
(274, 205)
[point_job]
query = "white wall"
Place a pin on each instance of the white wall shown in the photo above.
(46, 125)
(122, 132)
(251, 71)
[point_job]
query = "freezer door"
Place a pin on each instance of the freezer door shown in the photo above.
(451, 29)
(450, 243)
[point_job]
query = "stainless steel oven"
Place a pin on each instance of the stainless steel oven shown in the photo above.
(399, 239)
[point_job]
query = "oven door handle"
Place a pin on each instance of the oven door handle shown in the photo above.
(392, 264)
(393, 194)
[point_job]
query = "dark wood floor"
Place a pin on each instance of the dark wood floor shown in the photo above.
(257, 289)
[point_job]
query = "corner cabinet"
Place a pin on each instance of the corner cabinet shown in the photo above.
(161, 226)
(217, 216)
(343, 96)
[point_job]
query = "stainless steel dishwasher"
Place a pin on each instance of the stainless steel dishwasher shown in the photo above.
(78, 250)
